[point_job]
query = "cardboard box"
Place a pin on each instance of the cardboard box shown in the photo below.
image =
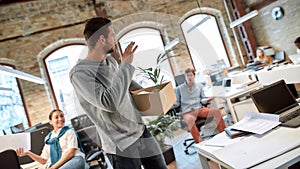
(153, 102)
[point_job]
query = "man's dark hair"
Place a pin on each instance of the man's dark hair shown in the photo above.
(188, 70)
(95, 27)
(297, 40)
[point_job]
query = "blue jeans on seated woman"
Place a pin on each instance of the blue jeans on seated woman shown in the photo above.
(76, 162)
(144, 152)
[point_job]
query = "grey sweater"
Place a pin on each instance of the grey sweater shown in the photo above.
(189, 99)
(102, 89)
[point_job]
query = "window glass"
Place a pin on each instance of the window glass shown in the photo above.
(150, 45)
(12, 111)
(58, 64)
(204, 41)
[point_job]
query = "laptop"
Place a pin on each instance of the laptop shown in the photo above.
(278, 99)
(227, 82)
(278, 57)
(295, 58)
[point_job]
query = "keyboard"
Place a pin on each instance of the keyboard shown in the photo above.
(290, 116)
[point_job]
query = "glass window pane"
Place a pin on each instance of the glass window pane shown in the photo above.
(204, 41)
(150, 45)
(59, 64)
(12, 111)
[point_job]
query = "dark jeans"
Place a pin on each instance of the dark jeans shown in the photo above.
(145, 151)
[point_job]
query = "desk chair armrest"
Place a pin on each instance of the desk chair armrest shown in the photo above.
(99, 156)
(93, 156)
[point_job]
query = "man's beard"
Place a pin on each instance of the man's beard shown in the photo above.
(111, 50)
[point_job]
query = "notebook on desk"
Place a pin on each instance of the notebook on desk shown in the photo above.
(278, 99)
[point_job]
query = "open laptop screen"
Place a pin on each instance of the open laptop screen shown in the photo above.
(275, 98)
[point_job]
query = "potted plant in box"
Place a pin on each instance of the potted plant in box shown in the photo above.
(154, 74)
(158, 99)
(161, 127)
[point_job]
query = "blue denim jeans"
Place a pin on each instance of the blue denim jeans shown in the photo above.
(77, 162)
(145, 151)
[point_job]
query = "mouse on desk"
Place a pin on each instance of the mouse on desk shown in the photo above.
(270, 68)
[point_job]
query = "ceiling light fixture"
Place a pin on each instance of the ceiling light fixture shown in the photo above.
(200, 22)
(171, 44)
(21, 75)
(243, 18)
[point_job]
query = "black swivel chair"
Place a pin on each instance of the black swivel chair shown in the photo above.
(199, 123)
(90, 141)
(9, 160)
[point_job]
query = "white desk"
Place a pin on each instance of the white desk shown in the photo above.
(231, 96)
(278, 148)
(289, 73)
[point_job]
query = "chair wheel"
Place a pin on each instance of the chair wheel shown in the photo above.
(184, 143)
(186, 151)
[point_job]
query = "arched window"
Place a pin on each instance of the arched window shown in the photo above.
(204, 41)
(57, 65)
(150, 45)
(12, 108)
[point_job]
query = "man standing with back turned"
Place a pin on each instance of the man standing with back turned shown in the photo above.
(102, 88)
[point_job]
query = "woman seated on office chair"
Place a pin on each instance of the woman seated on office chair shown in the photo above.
(62, 147)
(261, 57)
(190, 97)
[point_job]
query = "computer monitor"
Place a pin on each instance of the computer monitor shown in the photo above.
(293, 90)
(17, 128)
(275, 98)
(279, 55)
(179, 79)
(227, 82)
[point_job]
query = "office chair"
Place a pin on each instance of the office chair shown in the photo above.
(37, 143)
(9, 159)
(199, 123)
(90, 141)
(81, 121)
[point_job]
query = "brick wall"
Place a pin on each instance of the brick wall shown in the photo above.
(28, 27)
(279, 34)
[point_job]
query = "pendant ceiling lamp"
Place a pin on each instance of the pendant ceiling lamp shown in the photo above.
(21, 75)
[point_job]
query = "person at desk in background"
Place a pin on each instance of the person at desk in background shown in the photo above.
(62, 147)
(190, 97)
(260, 56)
(297, 44)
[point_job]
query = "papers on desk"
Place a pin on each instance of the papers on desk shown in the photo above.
(222, 140)
(255, 149)
(15, 141)
(33, 165)
(258, 123)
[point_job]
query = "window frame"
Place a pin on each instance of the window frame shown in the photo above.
(47, 75)
(148, 27)
(20, 91)
(218, 25)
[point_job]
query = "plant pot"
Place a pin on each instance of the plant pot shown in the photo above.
(169, 154)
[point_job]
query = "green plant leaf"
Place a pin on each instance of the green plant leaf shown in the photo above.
(158, 58)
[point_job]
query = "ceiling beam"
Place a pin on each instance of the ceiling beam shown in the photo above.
(260, 4)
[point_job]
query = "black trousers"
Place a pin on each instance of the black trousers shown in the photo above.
(145, 151)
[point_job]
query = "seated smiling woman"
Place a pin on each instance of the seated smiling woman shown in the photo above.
(62, 148)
